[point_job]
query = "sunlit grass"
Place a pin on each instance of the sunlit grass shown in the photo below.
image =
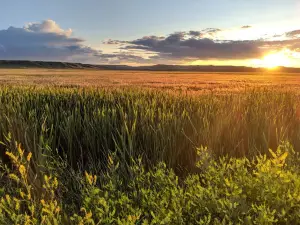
(135, 156)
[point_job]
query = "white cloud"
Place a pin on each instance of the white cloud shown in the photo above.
(48, 26)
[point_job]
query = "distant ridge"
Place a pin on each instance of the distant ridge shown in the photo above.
(21, 64)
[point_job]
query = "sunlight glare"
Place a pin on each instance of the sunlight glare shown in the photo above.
(273, 60)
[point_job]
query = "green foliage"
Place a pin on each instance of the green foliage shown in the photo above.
(264, 190)
(97, 156)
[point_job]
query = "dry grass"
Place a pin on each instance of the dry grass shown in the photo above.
(187, 81)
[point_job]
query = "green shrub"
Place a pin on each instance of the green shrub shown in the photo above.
(265, 190)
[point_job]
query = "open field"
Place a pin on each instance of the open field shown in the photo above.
(73, 152)
(193, 81)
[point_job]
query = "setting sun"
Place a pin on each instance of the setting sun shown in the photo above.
(274, 60)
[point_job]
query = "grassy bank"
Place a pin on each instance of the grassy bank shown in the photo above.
(134, 156)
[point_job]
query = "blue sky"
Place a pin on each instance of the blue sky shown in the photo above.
(95, 21)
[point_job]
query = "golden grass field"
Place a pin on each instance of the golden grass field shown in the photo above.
(72, 155)
(191, 81)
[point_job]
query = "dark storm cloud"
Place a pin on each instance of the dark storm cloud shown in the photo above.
(177, 47)
(42, 41)
(20, 36)
(2, 48)
(47, 41)
(172, 38)
(181, 46)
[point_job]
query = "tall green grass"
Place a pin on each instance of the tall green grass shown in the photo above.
(72, 130)
(87, 124)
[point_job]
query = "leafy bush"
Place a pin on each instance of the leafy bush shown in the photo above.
(229, 190)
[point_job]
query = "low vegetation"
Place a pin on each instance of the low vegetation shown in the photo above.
(137, 156)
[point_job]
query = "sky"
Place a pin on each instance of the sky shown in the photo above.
(137, 32)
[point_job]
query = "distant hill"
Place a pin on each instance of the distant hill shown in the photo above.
(55, 65)
(21, 64)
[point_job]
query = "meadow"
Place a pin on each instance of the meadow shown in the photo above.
(136, 147)
(185, 81)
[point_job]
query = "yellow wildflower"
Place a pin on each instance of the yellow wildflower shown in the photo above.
(14, 177)
(89, 178)
(22, 170)
(7, 198)
(17, 204)
(29, 156)
(55, 182)
(57, 209)
(22, 194)
(12, 156)
(21, 152)
(227, 182)
(89, 215)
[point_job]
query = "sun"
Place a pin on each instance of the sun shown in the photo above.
(273, 60)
